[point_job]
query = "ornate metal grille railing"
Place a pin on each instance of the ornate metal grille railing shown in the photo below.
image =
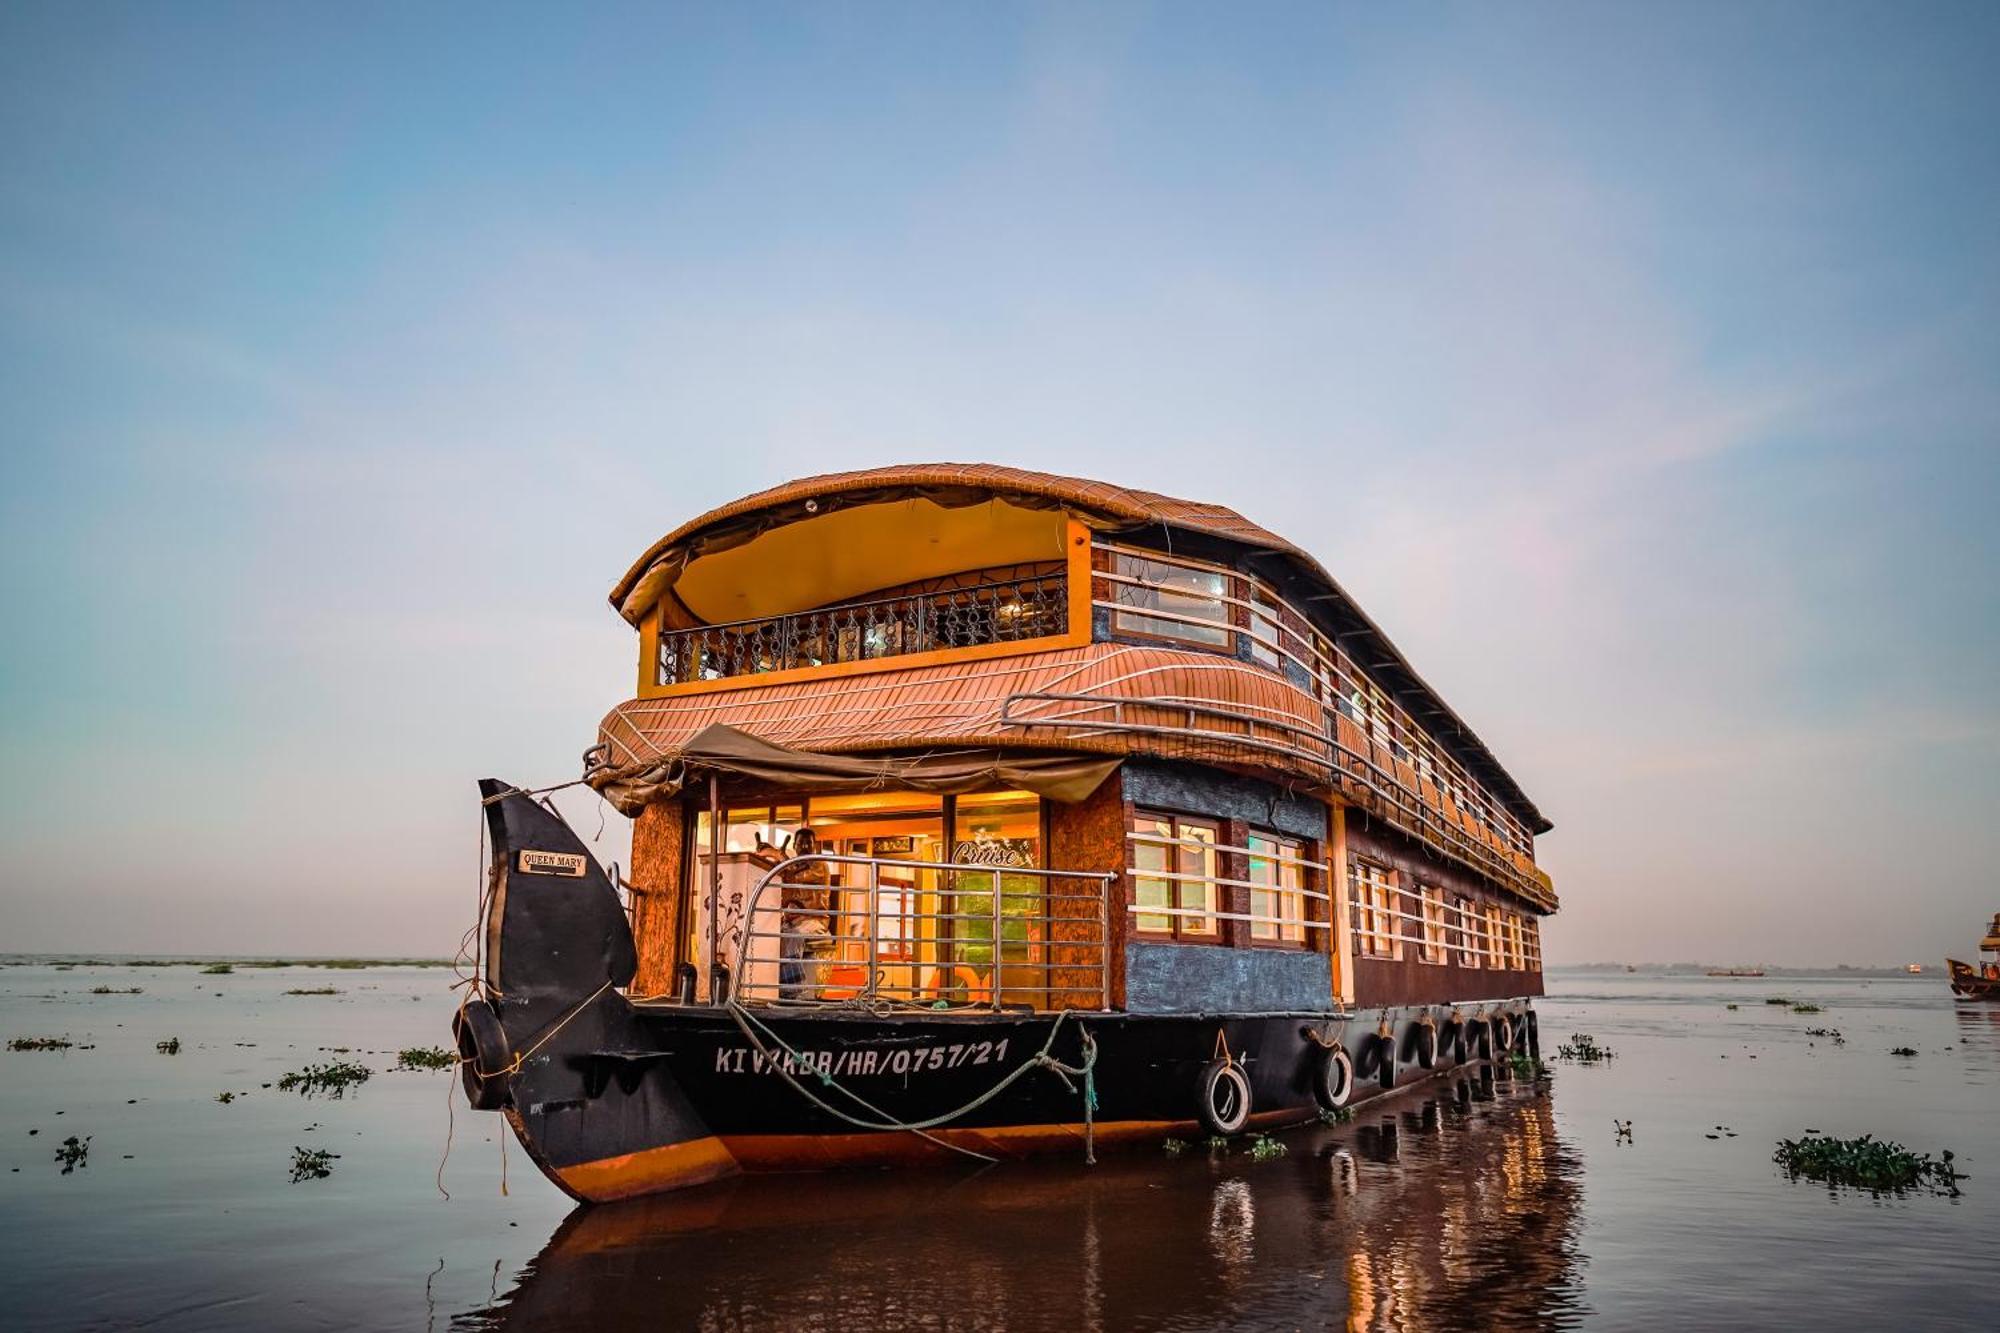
(1007, 610)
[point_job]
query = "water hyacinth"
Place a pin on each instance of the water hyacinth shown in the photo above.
(333, 1078)
(1866, 1163)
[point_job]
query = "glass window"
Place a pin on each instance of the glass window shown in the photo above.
(1277, 898)
(1496, 939)
(998, 829)
(1188, 602)
(1174, 873)
(1264, 627)
(1432, 908)
(1372, 896)
(1470, 948)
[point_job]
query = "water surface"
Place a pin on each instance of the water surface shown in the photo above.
(1489, 1204)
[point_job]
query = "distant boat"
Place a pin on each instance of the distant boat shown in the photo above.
(1981, 980)
(1915, 969)
(1736, 971)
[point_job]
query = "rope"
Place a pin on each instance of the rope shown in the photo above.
(1041, 1059)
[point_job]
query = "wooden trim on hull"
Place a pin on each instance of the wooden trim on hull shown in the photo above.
(699, 1161)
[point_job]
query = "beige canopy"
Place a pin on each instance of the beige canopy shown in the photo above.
(729, 752)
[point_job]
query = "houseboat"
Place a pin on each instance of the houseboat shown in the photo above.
(1978, 980)
(984, 812)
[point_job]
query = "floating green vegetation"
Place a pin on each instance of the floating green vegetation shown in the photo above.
(217, 970)
(116, 990)
(312, 1164)
(1831, 1034)
(225, 1097)
(171, 1046)
(1805, 1007)
(1902, 1050)
(75, 1152)
(1174, 1147)
(312, 990)
(1582, 1048)
(40, 1044)
(1522, 1065)
(426, 1057)
(1263, 1148)
(1735, 1006)
(1865, 1163)
(1777, 999)
(1217, 1143)
(332, 1079)
(1335, 1115)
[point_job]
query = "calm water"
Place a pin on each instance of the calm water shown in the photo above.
(1496, 1206)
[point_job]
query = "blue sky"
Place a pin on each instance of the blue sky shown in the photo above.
(1634, 367)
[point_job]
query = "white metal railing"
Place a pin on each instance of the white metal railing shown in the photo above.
(795, 953)
(1339, 683)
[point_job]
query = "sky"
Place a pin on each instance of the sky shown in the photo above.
(1635, 367)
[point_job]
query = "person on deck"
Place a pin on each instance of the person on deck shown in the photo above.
(806, 937)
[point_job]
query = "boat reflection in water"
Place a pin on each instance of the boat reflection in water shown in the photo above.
(1455, 1212)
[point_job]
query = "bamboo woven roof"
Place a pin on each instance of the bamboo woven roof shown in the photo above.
(1105, 507)
(1186, 705)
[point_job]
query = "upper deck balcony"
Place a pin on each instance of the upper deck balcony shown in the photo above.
(1015, 605)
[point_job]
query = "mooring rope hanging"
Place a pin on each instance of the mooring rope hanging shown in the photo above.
(748, 1023)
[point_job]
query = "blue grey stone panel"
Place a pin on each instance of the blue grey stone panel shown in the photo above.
(1206, 979)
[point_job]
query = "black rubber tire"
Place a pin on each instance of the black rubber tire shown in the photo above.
(1385, 1061)
(1531, 1034)
(482, 1044)
(1333, 1078)
(1424, 1042)
(1223, 1104)
(1453, 1043)
(1503, 1033)
(1479, 1035)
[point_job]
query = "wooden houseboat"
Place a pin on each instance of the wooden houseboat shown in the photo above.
(1978, 980)
(980, 811)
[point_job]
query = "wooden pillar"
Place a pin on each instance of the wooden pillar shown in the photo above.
(658, 848)
(1340, 938)
(1088, 836)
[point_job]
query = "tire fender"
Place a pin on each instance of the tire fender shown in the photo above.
(482, 1055)
(1223, 1101)
(1333, 1077)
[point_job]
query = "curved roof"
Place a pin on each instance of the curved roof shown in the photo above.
(1103, 506)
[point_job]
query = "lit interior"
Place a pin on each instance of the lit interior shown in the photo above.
(844, 554)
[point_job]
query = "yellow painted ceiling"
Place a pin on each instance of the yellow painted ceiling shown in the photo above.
(841, 555)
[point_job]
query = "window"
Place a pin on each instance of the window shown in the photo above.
(1189, 602)
(1470, 947)
(1277, 898)
(1264, 630)
(1373, 894)
(1532, 939)
(1431, 905)
(1174, 870)
(1496, 939)
(1517, 955)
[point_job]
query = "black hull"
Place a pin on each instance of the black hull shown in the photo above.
(614, 1100)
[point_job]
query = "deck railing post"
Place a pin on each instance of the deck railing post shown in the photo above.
(1104, 941)
(874, 925)
(994, 986)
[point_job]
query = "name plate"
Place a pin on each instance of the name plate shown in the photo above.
(552, 863)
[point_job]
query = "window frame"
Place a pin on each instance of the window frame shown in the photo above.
(1431, 948)
(1286, 888)
(1375, 900)
(1178, 931)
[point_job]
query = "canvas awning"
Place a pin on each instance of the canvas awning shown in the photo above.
(730, 752)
